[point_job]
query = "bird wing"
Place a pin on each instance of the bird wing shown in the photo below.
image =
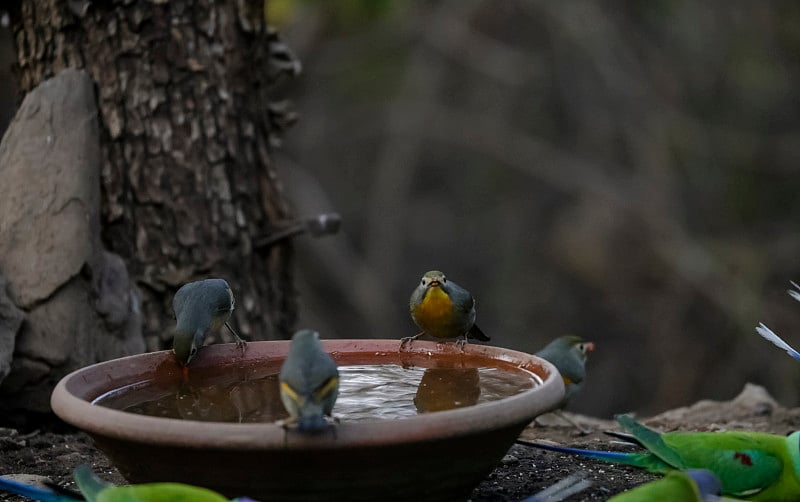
(35, 492)
(462, 298)
(179, 300)
(651, 440)
(745, 462)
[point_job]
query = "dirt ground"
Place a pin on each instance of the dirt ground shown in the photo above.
(53, 450)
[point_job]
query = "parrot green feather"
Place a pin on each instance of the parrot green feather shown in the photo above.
(97, 490)
(94, 489)
(158, 492)
(752, 465)
(88, 482)
(676, 486)
(651, 440)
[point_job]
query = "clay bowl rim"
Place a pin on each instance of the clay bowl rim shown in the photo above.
(98, 420)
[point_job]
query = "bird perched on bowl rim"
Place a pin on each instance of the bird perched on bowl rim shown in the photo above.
(201, 308)
(443, 309)
(309, 383)
(568, 354)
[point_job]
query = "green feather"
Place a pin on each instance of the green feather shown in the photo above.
(97, 490)
(757, 465)
(752, 465)
(159, 492)
(652, 441)
(675, 486)
(88, 482)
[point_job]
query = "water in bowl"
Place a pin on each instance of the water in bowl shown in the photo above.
(366, 392)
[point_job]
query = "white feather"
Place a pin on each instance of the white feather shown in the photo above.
(575, 483)
(794, 294)
(775, 339)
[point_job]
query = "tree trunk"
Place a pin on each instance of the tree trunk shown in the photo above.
(187, 181)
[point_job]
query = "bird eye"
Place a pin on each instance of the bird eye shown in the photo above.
(444, 279)
(424, 282)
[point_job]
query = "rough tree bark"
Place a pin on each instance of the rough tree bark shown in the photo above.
(187, 182)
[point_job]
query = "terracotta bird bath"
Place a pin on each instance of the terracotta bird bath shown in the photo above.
(440, 455)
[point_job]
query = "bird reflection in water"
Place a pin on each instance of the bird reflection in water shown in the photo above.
(246, 401)
(447, 388)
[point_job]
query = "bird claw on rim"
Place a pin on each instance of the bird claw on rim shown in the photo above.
(242, 345)
(406, 340)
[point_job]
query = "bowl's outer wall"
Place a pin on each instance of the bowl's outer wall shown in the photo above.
(411, 472)
(436, 456)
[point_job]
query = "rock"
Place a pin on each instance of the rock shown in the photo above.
(752, 402)
(756, 399)
(753, 409)
(10, 439)
(50, 189)
(10, 321)
(30, 479)
(509, 460)
(78, 301)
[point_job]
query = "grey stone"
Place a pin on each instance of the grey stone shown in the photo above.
(50, 189)
(77, 299)
(116, 296)
(10, 321)
(55, 325)
(29, 479)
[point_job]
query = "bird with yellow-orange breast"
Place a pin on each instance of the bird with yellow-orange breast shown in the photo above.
(443, 309)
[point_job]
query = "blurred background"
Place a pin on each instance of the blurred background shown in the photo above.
(624, 171)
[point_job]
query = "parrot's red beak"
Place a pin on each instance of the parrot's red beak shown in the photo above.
(589, 346)
(434, 283)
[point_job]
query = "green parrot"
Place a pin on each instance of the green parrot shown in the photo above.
(750, 465)
(443, 309)
(201, 308)
(94, 489)
(309, 382)
(568, 354)
(693, 485)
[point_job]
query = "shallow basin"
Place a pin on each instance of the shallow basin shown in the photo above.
(440, 455)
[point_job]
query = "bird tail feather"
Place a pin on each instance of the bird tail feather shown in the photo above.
(89, 482)
(559, 491)
(770, 335)
(795, 293)
(616, 457)
(627, 437)
(33, 492)
(476, 333)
